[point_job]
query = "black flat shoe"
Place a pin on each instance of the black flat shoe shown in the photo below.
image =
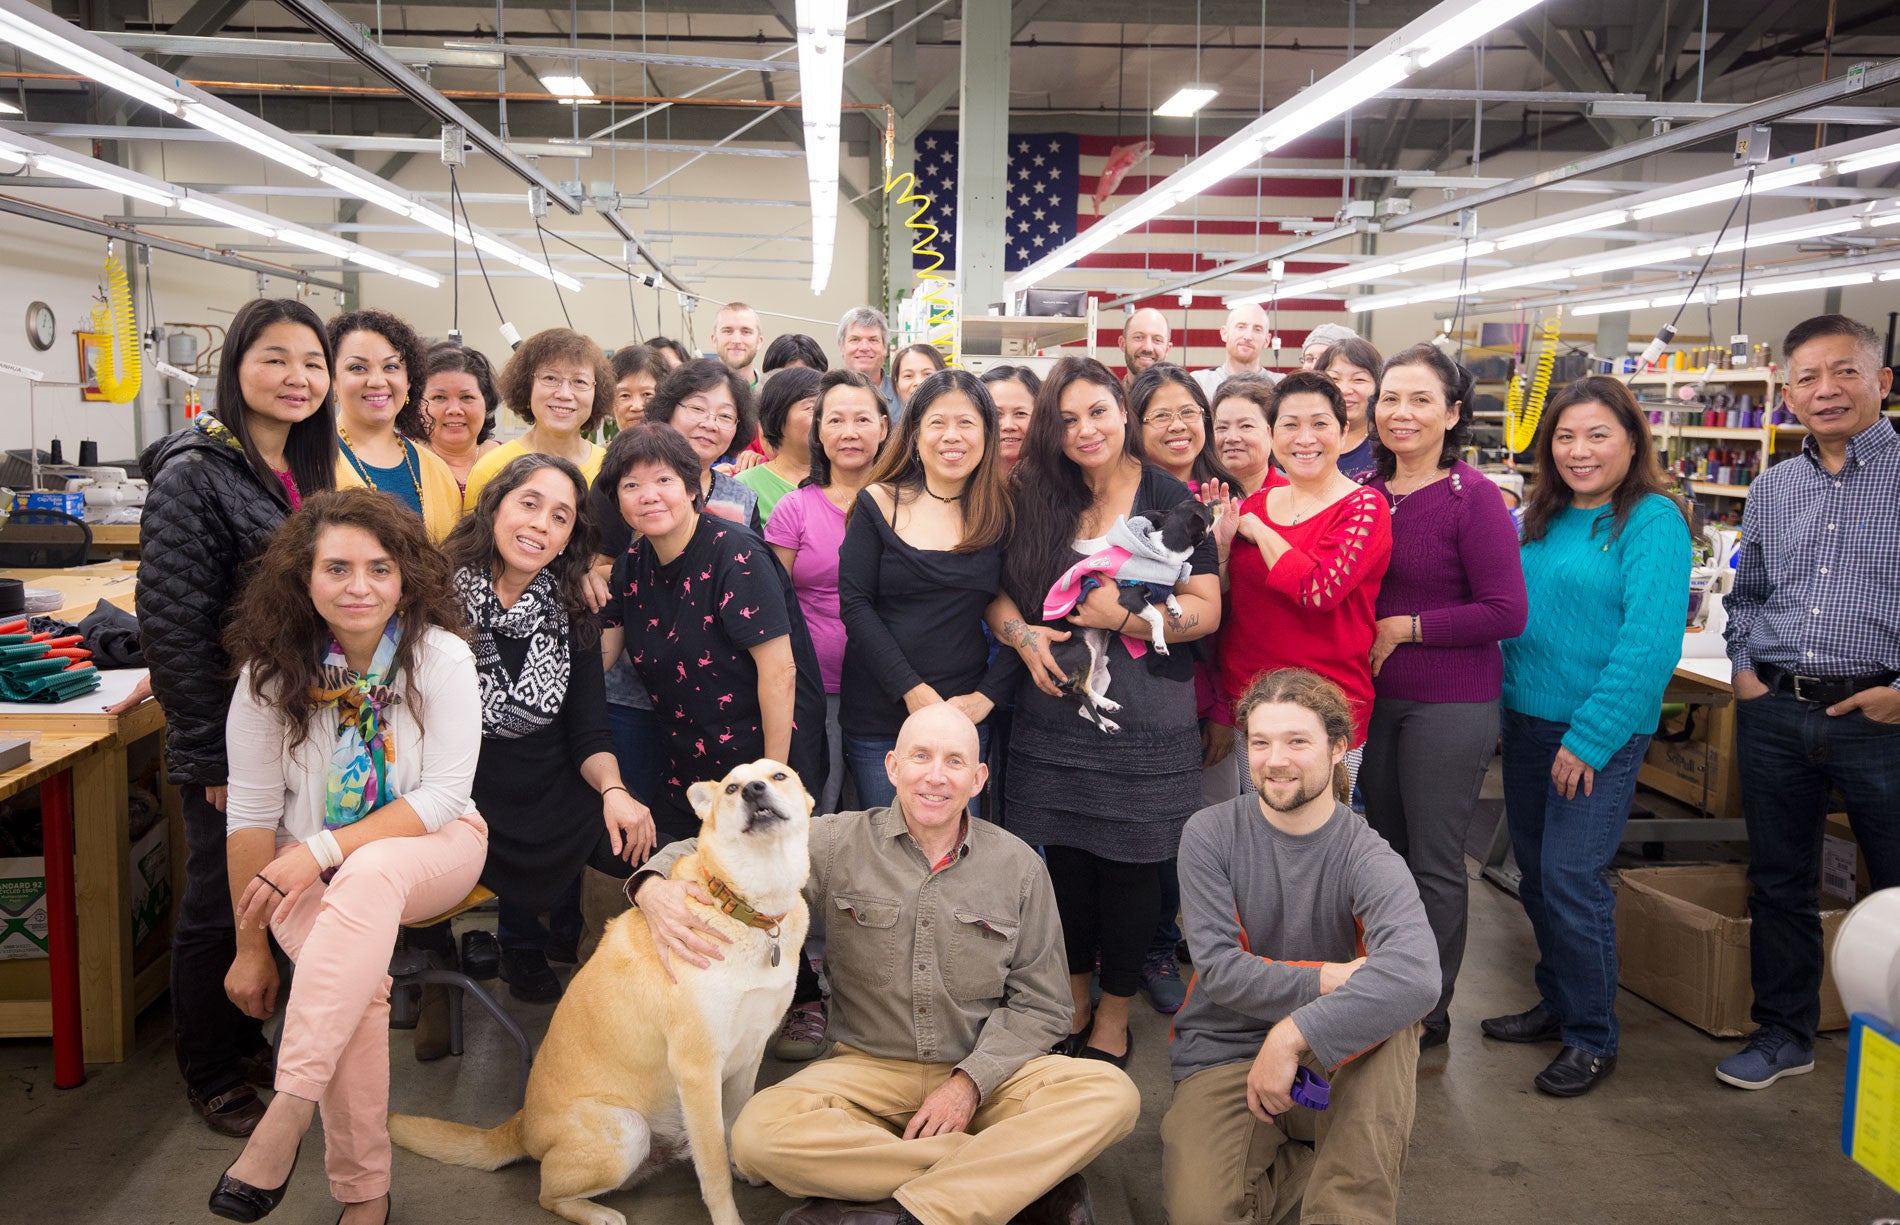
(1096, 1052)
(389, 1206)
(529, 977)
(1433, 1033)
(1574, 1072)
(235, 1200)
(1536, 1025)
(481, 954)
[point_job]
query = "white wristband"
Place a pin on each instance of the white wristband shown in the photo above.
(324, 847)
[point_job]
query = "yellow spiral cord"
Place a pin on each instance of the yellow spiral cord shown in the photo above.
(1522, 410)
(940, 323)
(119, 369)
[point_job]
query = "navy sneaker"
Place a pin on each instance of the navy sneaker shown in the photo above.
(1161, 981)
(1770, 1055)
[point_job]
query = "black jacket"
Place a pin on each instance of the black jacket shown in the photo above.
(207, 518)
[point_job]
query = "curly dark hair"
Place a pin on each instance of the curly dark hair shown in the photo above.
(1452, 377)
(278, 631)
(704, 374)
(545, 348)
(452, 358)
(408, 346)
(471, 546)
(780, 394)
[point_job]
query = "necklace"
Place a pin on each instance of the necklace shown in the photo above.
(933, 493)
(362, 470)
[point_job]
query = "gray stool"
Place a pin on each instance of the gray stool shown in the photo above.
(411, 970)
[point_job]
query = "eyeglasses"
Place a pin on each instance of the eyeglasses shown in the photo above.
(707, 414)
(582, 385)
(1167, 421)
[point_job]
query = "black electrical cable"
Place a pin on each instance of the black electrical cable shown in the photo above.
(633, 308)
(1458, 316)
(1741, 279)
(455, 202)
(1703, 270)
(541, 234)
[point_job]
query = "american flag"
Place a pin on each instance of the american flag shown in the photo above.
(1043, 188)
(1239, 217)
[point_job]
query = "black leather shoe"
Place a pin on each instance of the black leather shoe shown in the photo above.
(389, 1206)
(1066, 1203)
(1574, 1072)
(1096, 1052)
(1537, 1025)
(260, 1070)
(529, 977)
(817, 1211)
(1433, 1033)
(234, 1113)
(481, 954)
(240, 1201)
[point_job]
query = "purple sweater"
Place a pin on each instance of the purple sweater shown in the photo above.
(1454, 563)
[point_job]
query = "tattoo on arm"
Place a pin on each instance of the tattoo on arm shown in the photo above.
(1019, 635)
(1184, 620)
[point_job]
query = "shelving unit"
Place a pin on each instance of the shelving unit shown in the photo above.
(1761, 383)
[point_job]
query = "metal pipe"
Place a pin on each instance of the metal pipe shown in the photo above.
(456, 56)
(542, 51)
(323, 140)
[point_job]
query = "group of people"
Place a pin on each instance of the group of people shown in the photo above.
(398, 658)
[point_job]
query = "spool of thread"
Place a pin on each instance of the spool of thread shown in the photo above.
(58, 452)
(88, 453)
(12, 597)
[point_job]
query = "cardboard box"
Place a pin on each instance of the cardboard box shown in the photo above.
(73, 504)
(1844, 879)
(22, 908)
(1699, 773)
(151, 883)
(1682, 944)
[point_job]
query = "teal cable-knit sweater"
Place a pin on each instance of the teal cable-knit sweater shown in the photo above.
(1605, 628)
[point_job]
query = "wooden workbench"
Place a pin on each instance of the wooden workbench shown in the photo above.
(1702, 772)
(115, 540)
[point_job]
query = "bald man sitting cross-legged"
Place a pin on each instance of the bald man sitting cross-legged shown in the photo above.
(948, 988)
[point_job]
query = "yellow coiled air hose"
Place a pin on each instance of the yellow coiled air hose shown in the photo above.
(942, 311)
(1521, 411)
(120, 363)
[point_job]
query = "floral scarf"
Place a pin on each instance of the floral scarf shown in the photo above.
(365, 752)
(515, 706)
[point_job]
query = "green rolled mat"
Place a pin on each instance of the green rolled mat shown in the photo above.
(27, 683)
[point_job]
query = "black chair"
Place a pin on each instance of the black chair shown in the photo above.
(44, 540)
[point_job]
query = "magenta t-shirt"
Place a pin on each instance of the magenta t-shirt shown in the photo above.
(289, 480)
(805, 519)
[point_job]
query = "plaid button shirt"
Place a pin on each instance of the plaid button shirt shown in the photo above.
(1817, 582)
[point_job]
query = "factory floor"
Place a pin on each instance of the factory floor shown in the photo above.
(1661, 1140)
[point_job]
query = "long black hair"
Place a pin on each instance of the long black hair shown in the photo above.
(310, 450)
(985, 500)
(1207, 465)
(1051, 493)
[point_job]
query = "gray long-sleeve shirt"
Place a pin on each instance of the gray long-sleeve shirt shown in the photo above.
(1263, 909)
(959, 962)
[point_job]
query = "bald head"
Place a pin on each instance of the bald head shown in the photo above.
(936, 767)
(1145, 340)
(1245, 335)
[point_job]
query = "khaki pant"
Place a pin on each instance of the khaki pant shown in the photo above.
(835, 1128)
(1222, 1166)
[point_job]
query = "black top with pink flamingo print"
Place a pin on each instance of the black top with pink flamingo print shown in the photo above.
(690, 626)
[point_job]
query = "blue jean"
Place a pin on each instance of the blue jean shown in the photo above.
(1563, 849)
(1792, 755)
(637, 749)
(864, 757)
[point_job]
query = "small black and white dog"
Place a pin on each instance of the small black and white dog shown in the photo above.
(1148, 551)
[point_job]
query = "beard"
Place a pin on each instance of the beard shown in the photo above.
(1305, 792)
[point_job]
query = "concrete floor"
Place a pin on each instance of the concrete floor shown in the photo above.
(1660, 1141)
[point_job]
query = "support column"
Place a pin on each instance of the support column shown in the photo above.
(898, 279)
(982, 153)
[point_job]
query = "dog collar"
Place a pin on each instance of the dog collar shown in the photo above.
(730, 903)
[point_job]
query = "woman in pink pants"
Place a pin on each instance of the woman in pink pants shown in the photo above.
(352, 749)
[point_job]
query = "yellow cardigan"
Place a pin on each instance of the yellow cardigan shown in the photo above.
(441, 496)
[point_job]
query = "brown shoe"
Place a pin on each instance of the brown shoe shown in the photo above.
(234, 1113)
(432, 1024)
(260, 1070)
(1066, 1203)
(845, 1212)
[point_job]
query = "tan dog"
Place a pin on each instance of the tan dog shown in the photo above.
(637, 1068)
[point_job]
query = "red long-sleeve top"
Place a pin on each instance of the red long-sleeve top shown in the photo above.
(1314, 607)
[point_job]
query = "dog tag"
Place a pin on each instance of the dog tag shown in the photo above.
(774, 954)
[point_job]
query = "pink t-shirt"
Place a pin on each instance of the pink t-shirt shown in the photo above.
(805, 519)
(290, 489)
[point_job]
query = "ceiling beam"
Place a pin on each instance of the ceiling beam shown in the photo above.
(1725, 52)
(204, 17)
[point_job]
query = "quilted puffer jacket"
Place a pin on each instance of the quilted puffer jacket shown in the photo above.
(207, 518)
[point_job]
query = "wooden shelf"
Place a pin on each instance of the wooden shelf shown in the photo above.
(1756, 374)
(1713, 431)
(1035, 331)
(1719, 491)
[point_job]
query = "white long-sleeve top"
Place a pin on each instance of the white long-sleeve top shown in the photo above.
(281, 789)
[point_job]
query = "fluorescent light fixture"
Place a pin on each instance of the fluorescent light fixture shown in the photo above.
(1634, 258)
(1606, 308)
(51, 44)
(1840, 225)
(428, 279)
(1598, 220)
(7, 108)
(821, 37)
(198, 207)
(1371, 272)
(94, 174)
(1467, 27)
(249, 137)
(1439, 32)
(9, 160)
(1811, 282)
(570, 89)
(1789, 177)
(1867, 161)
(309, 240)
(365, 189)
(1890, 276)
(440, 222)
(1187, 100)
(1536, 274)
(1448, 255)
(369, 259)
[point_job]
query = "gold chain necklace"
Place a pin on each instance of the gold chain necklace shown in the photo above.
(362, 469)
